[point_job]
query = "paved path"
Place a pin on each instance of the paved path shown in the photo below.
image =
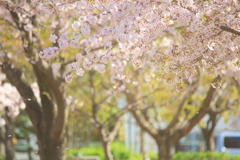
(24, 156)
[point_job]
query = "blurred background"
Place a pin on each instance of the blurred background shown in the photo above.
(121, 114)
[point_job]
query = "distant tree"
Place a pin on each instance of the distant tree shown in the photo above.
(22, 37)
(224, 105)
(168, 116)
(102, 108)
(168, 37)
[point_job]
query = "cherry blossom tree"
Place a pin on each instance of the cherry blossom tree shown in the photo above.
(172, 39)
(21, 65)
(103, 106)
(167, 116)
(169, 36)
(106, 114)
(224, 105)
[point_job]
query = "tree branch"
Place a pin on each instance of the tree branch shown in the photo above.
(117, 116)
(178, 113)
(115, 129)
(53, 86)
(157, 117)
(84, 53)
(145, 125)
(192, 89)
(85, 115)
(92, 97)
(201, 113)
(233, 31)
(15, 77)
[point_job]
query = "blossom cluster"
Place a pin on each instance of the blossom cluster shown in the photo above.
(167, 36)
(10, 98)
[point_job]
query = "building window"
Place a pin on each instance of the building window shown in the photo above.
(232, 142)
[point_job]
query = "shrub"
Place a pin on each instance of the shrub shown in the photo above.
(152, 156)
(119, 151)
(204, 156)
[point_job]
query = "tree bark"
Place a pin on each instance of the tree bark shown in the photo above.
(210, 143)
(49, 119)
(9, 135)
(48, 151)
(209, 129)
(204, 109)
(107, 150)
(209, 139)
(142, 145)
(9, 149)
(30, 149)
(165, 149)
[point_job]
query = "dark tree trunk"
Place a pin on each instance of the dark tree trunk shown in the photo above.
(49, 119)
(9, 135)
(29, 151)
(210, 143)
(49, 151)
(9, 149)
(209, 139)
(165, 149)
(209, 129)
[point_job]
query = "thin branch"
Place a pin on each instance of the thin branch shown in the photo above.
(225, 28)
(191, 91)
(178, 113)
(84, 53)
(116, 127)
(195, 119)
(157, 106)
(145, 96)
(14, 75)
(135, 101)
(157, 117)
(104, 100)
(145, 125)
(8, 22)
(92, 87)
(118, 115)
(236, 82)
(92, 97)
(1, 138)
(86, 115)
(219, 111)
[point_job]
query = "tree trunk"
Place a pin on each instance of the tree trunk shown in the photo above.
(107, 150)
(210, 143)
(142, 145)
(49, 151)
(49, 119)
(209, 139)
(29, 150)
(9, 149)
(106, 143)
(209, 129)
(9, 135)
(165, 149)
